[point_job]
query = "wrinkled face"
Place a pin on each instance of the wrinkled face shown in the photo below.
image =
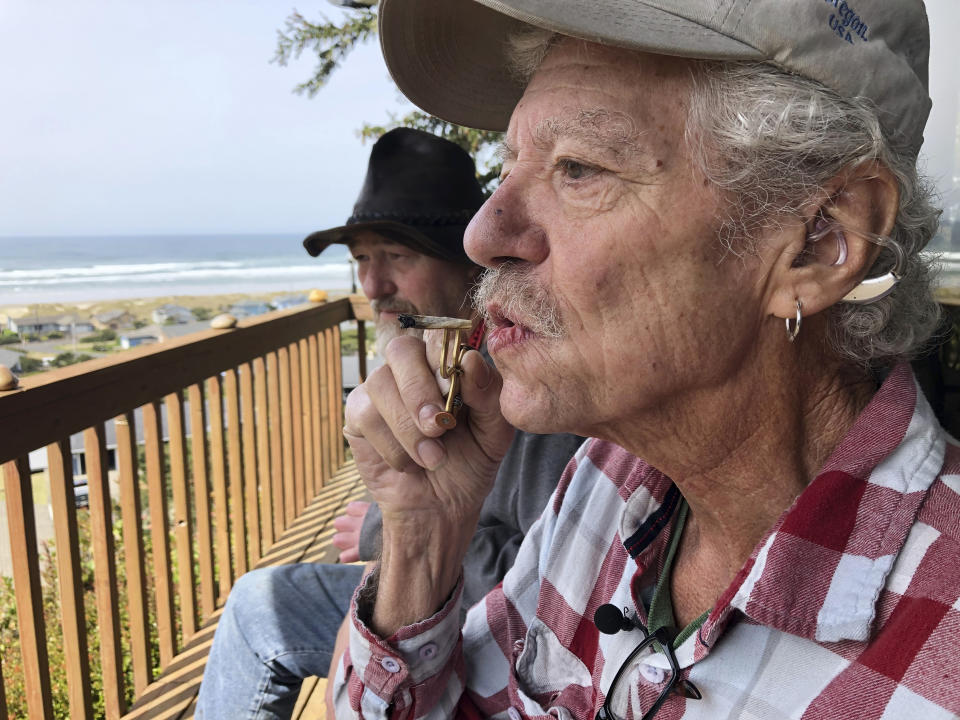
(603, 223)
(397, 280)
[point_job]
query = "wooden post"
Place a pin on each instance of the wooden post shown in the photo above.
(362, 350)
(286, 437)
(105, 571)
(264, 474)
(250, 491)
(159, 532)
(26, 582)
(133, 551)
(296, 413)
(218, 469)
(70, 578)
(276, 452)
(182, 522)
(235, 471)
(201, 499)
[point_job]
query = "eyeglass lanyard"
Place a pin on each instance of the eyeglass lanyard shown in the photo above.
(661, 615)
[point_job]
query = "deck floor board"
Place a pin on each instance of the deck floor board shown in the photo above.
(173, 695)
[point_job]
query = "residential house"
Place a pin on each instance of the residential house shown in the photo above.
(113, 319)
(169, 314)
(143, 336)
(248, 308)
(72, 324)
(33, 325)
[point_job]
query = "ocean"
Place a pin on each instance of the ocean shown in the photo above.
(79, 269)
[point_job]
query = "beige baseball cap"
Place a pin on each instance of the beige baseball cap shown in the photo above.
(449, 56)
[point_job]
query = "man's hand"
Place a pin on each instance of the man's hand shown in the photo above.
(429, 483)
(348, 525)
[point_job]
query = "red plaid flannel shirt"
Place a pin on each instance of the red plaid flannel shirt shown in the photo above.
(848, 608)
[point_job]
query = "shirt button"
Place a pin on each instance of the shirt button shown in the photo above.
(390, 665)
(428, 651)
(513, 713)
(652, 674)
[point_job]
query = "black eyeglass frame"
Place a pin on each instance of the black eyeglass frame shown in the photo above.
(661, 636)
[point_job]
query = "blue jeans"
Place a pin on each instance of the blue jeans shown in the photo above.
(278, 627)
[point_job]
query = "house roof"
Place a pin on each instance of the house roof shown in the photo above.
(37, 320)
(108, 315)
(9, 358)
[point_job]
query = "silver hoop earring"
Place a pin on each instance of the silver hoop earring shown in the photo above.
(794, 330)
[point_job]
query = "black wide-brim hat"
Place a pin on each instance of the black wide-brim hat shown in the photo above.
(420, 191)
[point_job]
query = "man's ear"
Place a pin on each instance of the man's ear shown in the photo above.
(835, 250)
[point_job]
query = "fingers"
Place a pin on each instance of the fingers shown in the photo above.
(413, 374)
(392, 415)
(370, 438)
(395, 409)
(350, 555)
(348, 526)
(357, 508)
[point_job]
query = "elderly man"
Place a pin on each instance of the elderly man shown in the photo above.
(280, 624)
(765, 523)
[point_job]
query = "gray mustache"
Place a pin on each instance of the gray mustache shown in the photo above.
(520, 297)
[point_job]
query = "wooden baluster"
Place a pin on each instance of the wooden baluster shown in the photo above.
(218, 468)
(201, 499)
(276, 443)
(324, 382)
(105, 571)
(69, 575)
(235, 471)
(334, 399)
(297, 413)
(133, 551)
(338, 387)
(251, 492)
(182, 521)
(286, 436)
(361, 350)
(18, 493)
(309, 483)
(264, 474)
(159, 532)
(317, 433)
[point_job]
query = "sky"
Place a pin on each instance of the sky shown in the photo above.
(122, 118)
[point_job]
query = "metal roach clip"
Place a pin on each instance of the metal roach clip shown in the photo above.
(451, 353)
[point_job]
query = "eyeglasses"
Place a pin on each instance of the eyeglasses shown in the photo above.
(661, 642)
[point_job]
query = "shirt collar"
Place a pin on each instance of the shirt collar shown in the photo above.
(819, 571)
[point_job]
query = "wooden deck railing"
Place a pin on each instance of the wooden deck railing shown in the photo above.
(195, 509)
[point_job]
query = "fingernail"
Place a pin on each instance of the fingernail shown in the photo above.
(431, 453)
(427, 413)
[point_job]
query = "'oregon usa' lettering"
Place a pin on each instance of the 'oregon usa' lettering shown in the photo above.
(846, 23)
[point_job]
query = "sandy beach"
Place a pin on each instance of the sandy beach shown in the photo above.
(141, 308)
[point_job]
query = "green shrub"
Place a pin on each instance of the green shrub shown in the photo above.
(30, 364)
(69, 358)
(102, 336)
(202, 313)
(348, 339)
(8, 337)
(55, 335)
